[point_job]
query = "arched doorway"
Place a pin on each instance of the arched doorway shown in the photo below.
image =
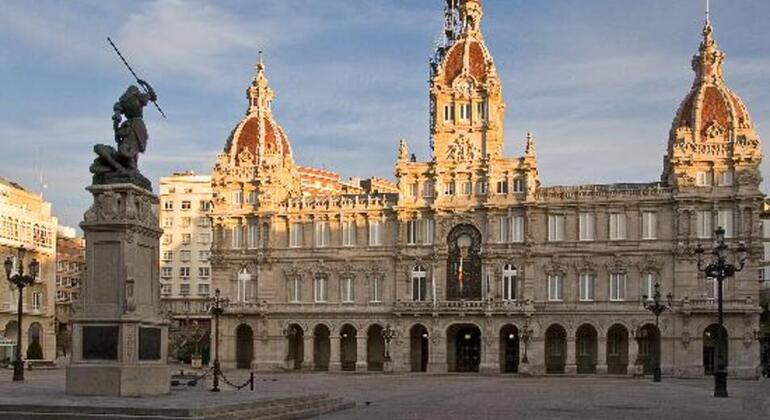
(617, 350)
(348, 347)
(418, 348)
(11, 332)
(587, 344)
(649, 348)
(509, 349)
(296, 342)
(34, 345)
(464, 263)
(555, 349)
(464, 348)
(244, 347)
(375, 348)
(321, 347)
(710, 340)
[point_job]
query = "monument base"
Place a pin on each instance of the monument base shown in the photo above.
(118, 380)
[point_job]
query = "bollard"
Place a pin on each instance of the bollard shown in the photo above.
(251, 381)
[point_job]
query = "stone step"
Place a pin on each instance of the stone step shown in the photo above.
(296, 407)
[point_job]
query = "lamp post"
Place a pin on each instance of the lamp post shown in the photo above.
(20, 280)
(217, 308)
(657, 307)
(720, 270)
(388, 334)
(526, 335)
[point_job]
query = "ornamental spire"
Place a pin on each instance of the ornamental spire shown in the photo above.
(708, 63)
(259, 94)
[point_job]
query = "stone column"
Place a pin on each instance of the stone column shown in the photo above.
(634, 367)
(571, 365)
(335, 363)
(437, 355)
(361, 365)
(536, 355)
(309, 354)
(490, 355)
(601, 356)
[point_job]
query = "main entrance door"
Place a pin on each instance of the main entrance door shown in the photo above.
(465, 346)
(464, 263)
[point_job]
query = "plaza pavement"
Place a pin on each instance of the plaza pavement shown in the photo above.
(467, 396)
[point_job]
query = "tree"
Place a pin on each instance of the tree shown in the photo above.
(34, 351)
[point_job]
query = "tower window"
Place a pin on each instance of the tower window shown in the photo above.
(465, 112)
(481, 110)
(449, 113)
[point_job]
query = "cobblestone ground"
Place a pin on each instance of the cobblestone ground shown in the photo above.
(415, 396)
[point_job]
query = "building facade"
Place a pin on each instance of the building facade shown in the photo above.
(26, 222)
(70, 265)
(185, 270)
(475, 264)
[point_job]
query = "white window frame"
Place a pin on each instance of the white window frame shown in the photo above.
(375, 289)
(517, 229)
(375, 233)
(586, 226)
(649, 225)
(37, 300)
(725, 219)
(481, 188)
(518, 185)
(321, 234)
(449, 188)
(253, 235)
(237, 237)
(347, 290)
(467, 188)
(502, 187)
(427, 189)
(295, 289)
(555, 227)
(411, 232)
(295, 235)
(510, 275)
(726, 178)
(449, 113)
(618, 287)
(413, 189)
(703, 178)
(245, 286)
(465, 112)
(617, 226)
(648, 285)
(555, 288)
(705, 225)
(320, 288)
(502, 227)
(419, 284)
(587, 286)
(348, 233)
(429, 228)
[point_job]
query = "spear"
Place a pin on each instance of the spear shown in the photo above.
(134, 74)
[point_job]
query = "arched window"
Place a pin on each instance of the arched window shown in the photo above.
(419, 284)
(509, 282)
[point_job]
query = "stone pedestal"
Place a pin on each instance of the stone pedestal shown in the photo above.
(387, 366)
(120, 337)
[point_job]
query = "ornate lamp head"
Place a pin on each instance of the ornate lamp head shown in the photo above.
(743, 254)
(8, 264)
(699, 255)
(720, 234)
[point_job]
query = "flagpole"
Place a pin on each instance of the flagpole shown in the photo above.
(433, 284)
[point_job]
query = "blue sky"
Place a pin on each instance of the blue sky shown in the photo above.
(597, 81)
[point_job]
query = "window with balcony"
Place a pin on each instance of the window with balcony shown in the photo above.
(184, 273)
(203, 289)
(509, 282)
(555, 288)
(419, 284)
(184, 256)
(186, 205)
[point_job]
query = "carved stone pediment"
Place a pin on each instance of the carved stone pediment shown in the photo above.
(462, 150)
(649, 264)
(586, 265)
(555, 266)
(617, 265)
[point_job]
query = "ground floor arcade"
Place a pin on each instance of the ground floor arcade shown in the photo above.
(488, 345)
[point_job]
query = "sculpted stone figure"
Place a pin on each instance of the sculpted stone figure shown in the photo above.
(121, 165)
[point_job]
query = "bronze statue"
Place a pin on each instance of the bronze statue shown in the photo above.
(121, 165)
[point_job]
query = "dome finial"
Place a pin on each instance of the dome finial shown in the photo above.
(529, 149)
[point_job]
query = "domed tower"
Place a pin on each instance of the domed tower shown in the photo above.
(256, 167)
(467, 107)
(712, 142)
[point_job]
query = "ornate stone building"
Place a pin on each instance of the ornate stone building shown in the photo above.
(70, 266)
(472, 262)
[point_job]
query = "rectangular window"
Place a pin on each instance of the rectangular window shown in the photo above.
(295, 235)
(204, 272)
(237, 237)
(186, 239)
(465, 112)
(481, 188)
(238, 197)
(726, 178)
(204, 238)
(517, 228)
(375, 289)
(555, 288)
(555, 227)
(467, 188)
(411, 232)
(427, 189)
(253, 235)
(321, 234)
(586, 229)
(37, 299)
(502, 187)
(166, 272)
(419, 286)
(168, 255)
(449, 188)
(184, 256)
(203, 289)
(509, 285)
(617, 287)
(617, 226)
(502, 224)
(204, 222)
(518, 185)
(184, 289)
(375, 232)
(586, 287)
(186, 222)
(725, 220)
(204, 255)
(348, 233)
(186, 205)
(168, 205)
(648, 285)
(449, 113)
(204, 205)
(347, 291)
(428, 227)
(168, 222)
(649, 225)
(481, 110)
(294, 287)
(712, 288)
(246, 292)
(704, 223)
(703, 179)
(413, 189)
(319, 289)
(184, 273)
(252, 197)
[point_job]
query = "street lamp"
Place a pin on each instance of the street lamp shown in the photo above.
(657, 307)
(526, 335)
(719, 269)
(388, 334)
(218, 305)
(20, 280)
